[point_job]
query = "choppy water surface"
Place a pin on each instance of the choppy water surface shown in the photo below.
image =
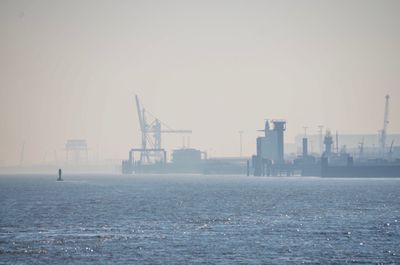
(198, 219)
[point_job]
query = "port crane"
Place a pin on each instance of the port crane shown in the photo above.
(151, 134)
(383, 133)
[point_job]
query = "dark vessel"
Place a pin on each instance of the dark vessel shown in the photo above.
(382, 169)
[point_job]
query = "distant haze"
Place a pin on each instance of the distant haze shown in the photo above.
(70, 69)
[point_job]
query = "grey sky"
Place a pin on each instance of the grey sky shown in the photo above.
(70, 69)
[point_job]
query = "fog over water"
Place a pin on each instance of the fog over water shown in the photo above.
(70, 69)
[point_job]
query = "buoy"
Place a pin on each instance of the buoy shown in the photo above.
(59, 175)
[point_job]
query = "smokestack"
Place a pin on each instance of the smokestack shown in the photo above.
(328, 143)
(305, 147)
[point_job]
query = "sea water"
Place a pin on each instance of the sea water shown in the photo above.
(196, 219)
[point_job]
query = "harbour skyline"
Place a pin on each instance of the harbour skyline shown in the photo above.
(70, 70)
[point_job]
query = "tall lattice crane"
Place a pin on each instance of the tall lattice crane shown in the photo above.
(151, 133)
(383, 135)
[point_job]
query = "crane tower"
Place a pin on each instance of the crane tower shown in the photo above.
(383, 135)
(151, 134)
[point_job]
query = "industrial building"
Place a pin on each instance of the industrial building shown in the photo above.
(332, 158)
(270, 149)
(270, 146)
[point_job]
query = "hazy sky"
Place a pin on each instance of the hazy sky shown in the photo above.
(70, 69)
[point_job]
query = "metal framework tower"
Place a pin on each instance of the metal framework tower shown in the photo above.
(151, 135)
(383, 135)
(280, 127)
(328, 144)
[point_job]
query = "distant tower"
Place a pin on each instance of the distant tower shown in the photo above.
(266, 128)
(385, 125)
(279, 128)
(328, 141)
(305, 147)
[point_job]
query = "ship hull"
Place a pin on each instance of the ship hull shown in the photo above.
(362, 171)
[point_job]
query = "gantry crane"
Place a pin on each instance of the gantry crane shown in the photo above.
(383, 135)
(151, 133)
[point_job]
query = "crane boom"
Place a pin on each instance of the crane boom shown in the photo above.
(151, 133)
(143, 128)
(139, 111)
